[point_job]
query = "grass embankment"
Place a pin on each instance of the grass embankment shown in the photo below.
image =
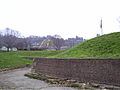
(36, 53)
(7, 60)
(106, 46)
(13, 59)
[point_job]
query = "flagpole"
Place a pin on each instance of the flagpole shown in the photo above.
(101, 31)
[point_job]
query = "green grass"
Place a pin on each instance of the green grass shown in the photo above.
(106, 46)
(7, 60)
(36, 53)
(13, 59)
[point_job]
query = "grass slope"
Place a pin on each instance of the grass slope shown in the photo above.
(36, 53)
(7, 60)
(106, 46)
(13, 59)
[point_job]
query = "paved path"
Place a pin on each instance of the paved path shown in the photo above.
(16, 79)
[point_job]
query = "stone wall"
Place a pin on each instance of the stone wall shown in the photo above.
(106, 71)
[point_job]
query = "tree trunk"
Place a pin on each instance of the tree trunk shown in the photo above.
(7, 49)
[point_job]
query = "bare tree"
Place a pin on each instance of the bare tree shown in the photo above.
(1, 40)
(28, 42)
(21, 44)
(9, 38)
(58, 41)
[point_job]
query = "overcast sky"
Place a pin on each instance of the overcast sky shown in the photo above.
(67, 18)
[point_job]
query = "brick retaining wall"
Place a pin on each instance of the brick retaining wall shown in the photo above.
(106, 71)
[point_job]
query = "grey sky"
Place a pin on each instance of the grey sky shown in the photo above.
(67, 18)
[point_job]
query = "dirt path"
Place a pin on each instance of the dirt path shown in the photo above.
(15, 79)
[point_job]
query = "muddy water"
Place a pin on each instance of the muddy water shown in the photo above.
(16, 80)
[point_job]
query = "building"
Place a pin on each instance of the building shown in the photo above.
(48, 45)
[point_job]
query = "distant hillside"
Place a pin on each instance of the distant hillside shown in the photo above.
(106, 46)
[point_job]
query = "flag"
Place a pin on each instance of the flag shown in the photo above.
(101, 24)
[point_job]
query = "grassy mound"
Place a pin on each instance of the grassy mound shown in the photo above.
(13, 59)
(106, 46)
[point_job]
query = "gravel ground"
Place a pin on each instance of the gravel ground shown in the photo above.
(15, 79)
